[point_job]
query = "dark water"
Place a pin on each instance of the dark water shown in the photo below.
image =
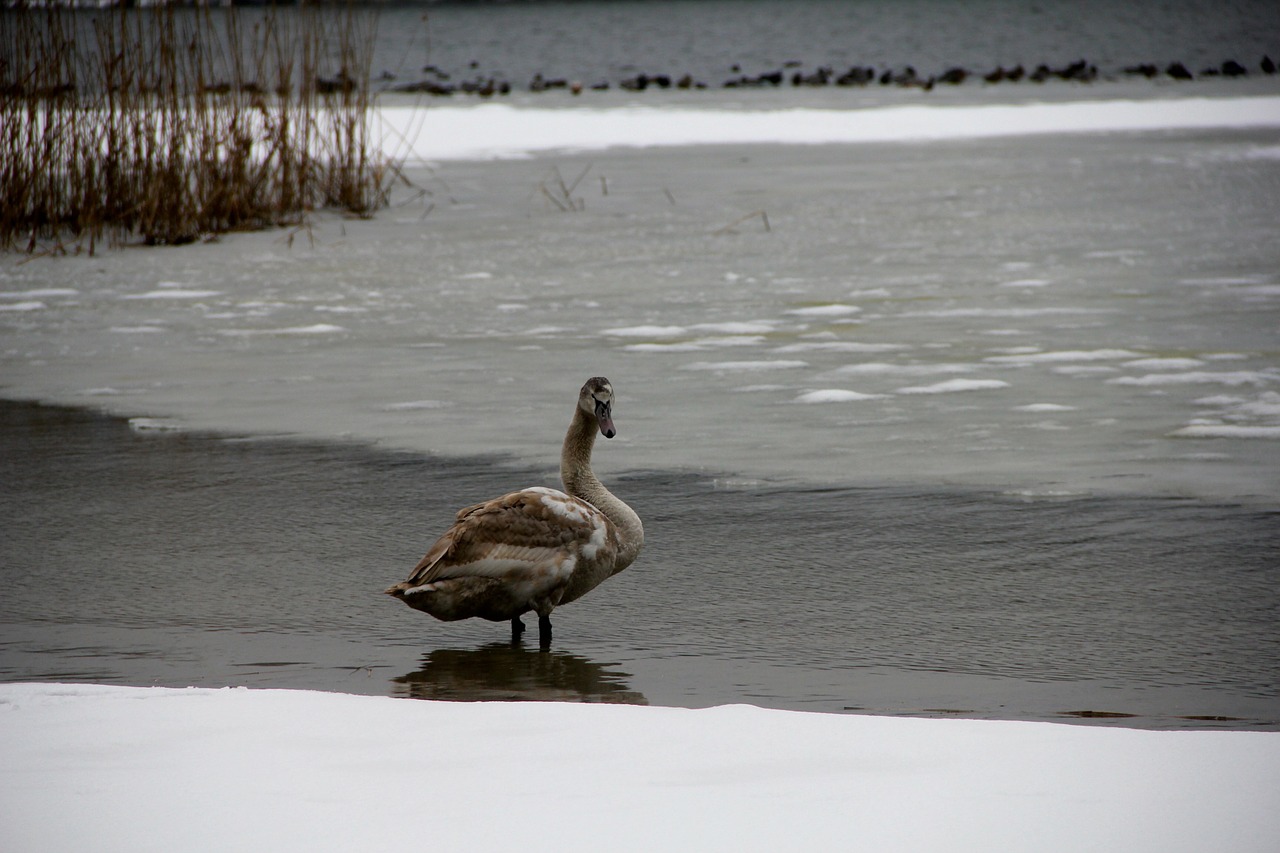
(713, 41)
(176, 559)
(611, 40)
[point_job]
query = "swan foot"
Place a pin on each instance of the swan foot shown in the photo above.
(517, 628)
(544, 631)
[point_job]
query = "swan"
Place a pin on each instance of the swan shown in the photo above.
(537, 548)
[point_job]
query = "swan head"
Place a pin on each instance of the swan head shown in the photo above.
(596, 399)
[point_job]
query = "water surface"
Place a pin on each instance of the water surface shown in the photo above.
(159, 558)
(988, 428)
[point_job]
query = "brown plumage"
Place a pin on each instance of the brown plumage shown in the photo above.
(534, 549)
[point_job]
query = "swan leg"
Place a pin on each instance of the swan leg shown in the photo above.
(517, 628)
(544, 630)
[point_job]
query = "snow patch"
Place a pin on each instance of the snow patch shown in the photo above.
(1226, 431)
(173, 293)
(834, 310)
(740, 366)
(317, 329)
(1063, 356)
(951, 386)
(1044, 407)
(152, 769)
(1239, 377)
(646, 331)
(835, 395)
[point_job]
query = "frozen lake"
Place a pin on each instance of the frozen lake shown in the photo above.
(1055, 314)
(980, 425)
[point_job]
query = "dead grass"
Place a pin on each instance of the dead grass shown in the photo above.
(168, 125)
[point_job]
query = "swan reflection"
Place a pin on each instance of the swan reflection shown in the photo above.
(509, 672)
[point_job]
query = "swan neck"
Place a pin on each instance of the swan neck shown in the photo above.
(575, 457)
(581, 482)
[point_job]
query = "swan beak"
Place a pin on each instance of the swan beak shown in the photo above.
(604, 415)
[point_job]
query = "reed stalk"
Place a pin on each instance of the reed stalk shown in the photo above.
(169, 124)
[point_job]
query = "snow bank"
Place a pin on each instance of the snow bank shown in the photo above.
(116, 768)
(501, 130)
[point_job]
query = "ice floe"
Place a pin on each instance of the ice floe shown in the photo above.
(1044, 407)
(835, 395)
(833, 310)
(173, 293)
(1164, 364)
(839, 346)
(1237, 377)
(316, 329)
(1226, 431)
(951, 386)
(873, 368)
(1063, 356)
(646, 331)
(741, 366)
(39, 293)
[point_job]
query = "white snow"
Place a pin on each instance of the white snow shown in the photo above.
(951, 386)
(1226, 431)
(880, 367)
(1044, 407)
(739, 366)
(751, 327)
(90, 767)
(501, 130)
(835, 395)
(416, 405)
(1238, 377)
(833, 310)
(173, 293)
(1164, 363)
(839, 346)
(646, 331)
(39, 293)
(682, 347)
(315, 329)
(1064, 356)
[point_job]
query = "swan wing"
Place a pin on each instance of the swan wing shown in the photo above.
(535, 533)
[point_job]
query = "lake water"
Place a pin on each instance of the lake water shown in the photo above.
(594, 42)
(173, 558)
(966, 426)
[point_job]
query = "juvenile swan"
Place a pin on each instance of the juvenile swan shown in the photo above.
(534, 549)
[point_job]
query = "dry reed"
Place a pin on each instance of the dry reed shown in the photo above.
(170, 124)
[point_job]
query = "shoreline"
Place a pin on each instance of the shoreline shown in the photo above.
(796, 74)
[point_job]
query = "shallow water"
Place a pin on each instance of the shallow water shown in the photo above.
(167, 558)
